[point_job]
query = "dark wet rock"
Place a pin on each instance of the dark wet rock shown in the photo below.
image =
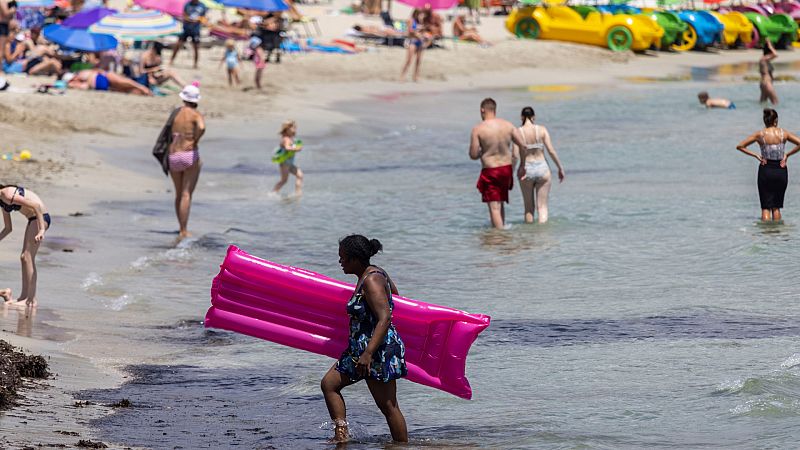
(124, 403)
(15, 365)
(81, 404)
(85, 443)
(67, 433)
(77, 214)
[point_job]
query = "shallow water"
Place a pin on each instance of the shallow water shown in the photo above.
(653, 310)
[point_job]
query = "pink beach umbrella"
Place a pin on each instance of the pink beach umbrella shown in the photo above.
(171, 7)
(435, 4)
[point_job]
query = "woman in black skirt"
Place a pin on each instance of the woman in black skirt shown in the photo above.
(772, 174)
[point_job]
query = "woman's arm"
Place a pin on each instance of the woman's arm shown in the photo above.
(794, 140)
(37, 208)
(7, 225)
(200, 128)
(375, 296)
(548, 144)
(742, 147)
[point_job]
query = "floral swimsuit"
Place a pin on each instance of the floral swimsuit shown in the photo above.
(388, 362)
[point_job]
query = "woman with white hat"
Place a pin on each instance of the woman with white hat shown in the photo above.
(184, 159)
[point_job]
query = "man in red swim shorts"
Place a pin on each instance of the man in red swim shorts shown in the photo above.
(491, 143)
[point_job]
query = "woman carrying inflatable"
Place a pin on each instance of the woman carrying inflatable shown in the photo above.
(772, 174)
(375, 352)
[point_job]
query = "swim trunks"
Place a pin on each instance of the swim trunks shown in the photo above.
(494, 183)
(191, 31)
(732, 106)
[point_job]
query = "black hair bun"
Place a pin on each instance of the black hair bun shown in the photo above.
(375, 246)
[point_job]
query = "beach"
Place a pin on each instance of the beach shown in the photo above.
(116, 293)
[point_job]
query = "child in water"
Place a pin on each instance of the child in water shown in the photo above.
(285, 157)
(709, 102)
(231, 60)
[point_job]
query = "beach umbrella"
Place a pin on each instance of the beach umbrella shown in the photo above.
(77, 39)
(141, 25)
(259, 5)
(35, 3)
(85, 19)
(435, 4)
(173, 7)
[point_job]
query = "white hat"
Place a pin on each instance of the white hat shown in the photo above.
(20, 37)
(190, 94)
(255, 20)
(68, 77)
(3, 84)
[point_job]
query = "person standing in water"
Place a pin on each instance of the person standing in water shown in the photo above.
(533, 171)
(765, 68)
(490, 142)
(17, 198)
(375, 352)
(285, 157)
(417, 40)
(772, 174)
(184, 157)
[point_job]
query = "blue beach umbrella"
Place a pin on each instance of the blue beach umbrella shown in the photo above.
(36, 3)
(257, 5)
(77, 39)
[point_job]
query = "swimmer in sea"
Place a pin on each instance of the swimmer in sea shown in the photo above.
(773, 177)
(765, 69)
(375, 352)
(288, 148)
(533, 172)
(17, 198)
(709, 102)
(490, 142)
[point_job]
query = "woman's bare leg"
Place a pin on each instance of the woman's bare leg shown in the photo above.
(417, 64)
(284, 178)
(47, 67)
(332, 384)
(385, 395)
(118, 83)
(776, 214)
(409, 57)
(766, 215)
(526, 185)
(542, 192)
(298, 182)
(189, 182)
(28, 259)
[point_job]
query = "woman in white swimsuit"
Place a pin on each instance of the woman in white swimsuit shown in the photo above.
(533, 172)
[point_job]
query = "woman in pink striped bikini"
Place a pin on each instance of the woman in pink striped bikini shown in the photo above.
(184, 159)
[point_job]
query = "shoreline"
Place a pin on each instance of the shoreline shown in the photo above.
(82, 177)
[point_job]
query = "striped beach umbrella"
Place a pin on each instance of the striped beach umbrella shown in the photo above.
(142, 25)
(35, 3)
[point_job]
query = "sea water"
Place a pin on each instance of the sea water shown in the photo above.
(652, 310)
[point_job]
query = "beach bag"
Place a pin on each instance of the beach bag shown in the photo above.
(161, 149)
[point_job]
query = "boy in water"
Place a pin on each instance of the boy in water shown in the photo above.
(709, 102)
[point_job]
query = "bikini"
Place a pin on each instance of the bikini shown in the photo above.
(537, 169)
(11, 207)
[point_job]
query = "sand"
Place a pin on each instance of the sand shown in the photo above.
(60, 130)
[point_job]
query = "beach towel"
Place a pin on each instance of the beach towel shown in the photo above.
(161, 149)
